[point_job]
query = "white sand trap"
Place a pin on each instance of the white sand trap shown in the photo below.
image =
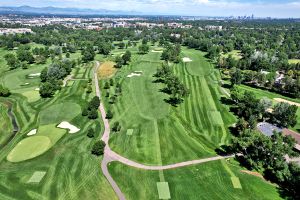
(156, 51)
(37, 89)
(67, 125)
(34, 75)
(186, 59)
(286, 101)
(134, 74)
(26, 84)
(32, 132)
(36, 177)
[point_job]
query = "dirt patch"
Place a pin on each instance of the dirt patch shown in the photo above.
(253, 173)
(287, 101)
(106, 70)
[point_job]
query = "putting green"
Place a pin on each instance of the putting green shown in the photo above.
(59, 112)
(29, 148)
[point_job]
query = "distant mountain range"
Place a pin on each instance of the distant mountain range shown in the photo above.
(62, 11)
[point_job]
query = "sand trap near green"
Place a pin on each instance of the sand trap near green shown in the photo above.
(29, 148)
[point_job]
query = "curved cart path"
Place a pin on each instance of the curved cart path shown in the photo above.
(110, 155)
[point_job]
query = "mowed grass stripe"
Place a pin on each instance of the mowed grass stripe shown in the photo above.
(196, 103)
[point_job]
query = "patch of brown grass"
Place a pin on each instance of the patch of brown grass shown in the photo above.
(106, 70)
(253, 173)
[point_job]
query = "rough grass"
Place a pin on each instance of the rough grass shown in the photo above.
(107, 70)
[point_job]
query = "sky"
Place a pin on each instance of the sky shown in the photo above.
(260, 8)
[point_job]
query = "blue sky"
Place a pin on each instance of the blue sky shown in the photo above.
(260, 8)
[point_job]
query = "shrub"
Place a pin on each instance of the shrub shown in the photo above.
(98, 148)
(91, 133)
(109, 115)
(92, 114)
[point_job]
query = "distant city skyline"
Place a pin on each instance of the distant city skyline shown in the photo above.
(260, 8)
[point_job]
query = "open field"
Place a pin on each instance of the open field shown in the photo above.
(206, 181)
(164, 134)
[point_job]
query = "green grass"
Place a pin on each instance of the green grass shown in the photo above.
(36, 177)
(29, 148)
(57, 113)
(163, 190)
(71, 171)
(129, 132)
(5, 124)
(204, 181)
(236, 182)
(294, 61)
(162, 133)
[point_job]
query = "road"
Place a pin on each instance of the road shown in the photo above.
(110, 155)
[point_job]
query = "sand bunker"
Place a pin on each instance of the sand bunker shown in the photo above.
(186, 59)
(156, 51)
(37, 89)
(136, 73)
(32, 132)
(34, 75)
(67, 125)
(286, 101)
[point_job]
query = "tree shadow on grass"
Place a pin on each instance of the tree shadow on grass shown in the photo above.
(173, 101)
(227, 101)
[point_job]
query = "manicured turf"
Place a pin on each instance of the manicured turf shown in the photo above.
(57, 113)
(71, 171)
(236, 182)
(29, 148)
(164, 134)
(129, 132)
(5, 124)
(163, 190)
(36, 177)
(207, 181)
(294, 61)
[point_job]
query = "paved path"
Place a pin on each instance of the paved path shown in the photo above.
(65, 81)
(110, 155)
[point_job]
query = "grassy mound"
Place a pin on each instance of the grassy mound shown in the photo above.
(29, 148)
(59, 112)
